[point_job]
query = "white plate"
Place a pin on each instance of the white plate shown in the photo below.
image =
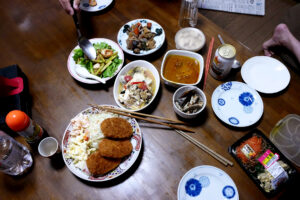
(207, 183)
(265, 74)
(237, 104)
(122, 37)
(72, 64)
(129, 66)
(127, 162)
(101, 4)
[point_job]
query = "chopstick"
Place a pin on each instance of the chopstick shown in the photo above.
(207, 63)
(214, 154)
(144, 115)
(145, 119)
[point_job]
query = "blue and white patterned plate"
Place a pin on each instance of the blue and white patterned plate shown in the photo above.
(159, 39)
(237, 104)
(101, 4)
(206, 182)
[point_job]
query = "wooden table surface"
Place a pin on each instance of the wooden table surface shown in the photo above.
(39, 36)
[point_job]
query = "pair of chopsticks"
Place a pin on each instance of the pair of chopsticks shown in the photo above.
(208, 58)
(214, 154)
(142, 117)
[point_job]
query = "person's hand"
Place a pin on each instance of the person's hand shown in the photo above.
(67, 6)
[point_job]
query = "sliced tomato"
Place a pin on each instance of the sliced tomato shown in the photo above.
(142, 86)
(127, 78)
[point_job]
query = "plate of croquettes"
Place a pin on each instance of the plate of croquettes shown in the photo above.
(99, 146)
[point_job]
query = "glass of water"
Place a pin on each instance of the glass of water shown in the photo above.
(188, 13)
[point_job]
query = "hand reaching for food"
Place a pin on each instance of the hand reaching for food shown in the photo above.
(66, 4)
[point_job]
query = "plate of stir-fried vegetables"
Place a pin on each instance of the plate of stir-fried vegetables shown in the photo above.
(108, 62)
(141, 37)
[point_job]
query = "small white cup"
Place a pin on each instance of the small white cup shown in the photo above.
(48, 147)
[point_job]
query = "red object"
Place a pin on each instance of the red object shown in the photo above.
(17, 120)
(127, 78)
(136, 31)
(11, 86)
(207, 63)
(141, 85)
(149, 25)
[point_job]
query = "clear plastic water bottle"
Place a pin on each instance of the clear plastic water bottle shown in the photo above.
(15, 158)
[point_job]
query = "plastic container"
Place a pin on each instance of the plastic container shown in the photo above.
(19, 121)
(190, 39)
(263, 162)
(15, 158)
(286, 137)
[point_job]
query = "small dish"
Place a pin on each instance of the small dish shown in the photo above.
(72, 65)
(179, 92)
(190, 54)
(101, 4)
(237, 104)
(265, 74)
(159, 39)
(191, 39)
(130, 66)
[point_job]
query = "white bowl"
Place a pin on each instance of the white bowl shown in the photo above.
(72, 65)
(182, 53)
(191, 39)
(179, 92)
(129, 66)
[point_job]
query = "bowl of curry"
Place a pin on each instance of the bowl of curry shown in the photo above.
(181, 68)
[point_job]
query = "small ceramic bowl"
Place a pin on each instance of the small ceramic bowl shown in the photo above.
(191, 39)
(182, 90)
(196, 56)
(124, 71)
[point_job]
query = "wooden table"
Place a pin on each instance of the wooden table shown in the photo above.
(39, 35)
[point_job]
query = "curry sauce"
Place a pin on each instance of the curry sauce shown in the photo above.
(181, 69)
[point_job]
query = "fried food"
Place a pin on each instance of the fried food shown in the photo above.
(92, 2)
(114, 148)
(99, 165)
(116, 127)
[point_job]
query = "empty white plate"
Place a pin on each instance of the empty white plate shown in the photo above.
(206, 183)
(265, 74)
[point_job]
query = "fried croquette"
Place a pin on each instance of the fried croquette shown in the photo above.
(99, 165)
(114, 148)
(116, 127)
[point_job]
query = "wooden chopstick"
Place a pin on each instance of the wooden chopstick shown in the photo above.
(214, 154)
(208, 58)
(142, 114)
(145, 119)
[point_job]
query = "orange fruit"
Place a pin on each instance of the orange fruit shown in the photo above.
(17, 120)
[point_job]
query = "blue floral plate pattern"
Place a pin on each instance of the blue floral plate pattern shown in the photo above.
(101, 4)
(207, 182)
(237, 104)
(159, 39)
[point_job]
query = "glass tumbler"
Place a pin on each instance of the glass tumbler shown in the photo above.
(188, 13)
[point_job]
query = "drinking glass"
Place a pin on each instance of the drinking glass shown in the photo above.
(188, 13)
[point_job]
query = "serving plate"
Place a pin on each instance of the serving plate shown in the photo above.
(206, 182)
(265, 74)
(127, 162)
(122, 37)
(101, 4)
(71, 63)
(237, 104)
(126, 68)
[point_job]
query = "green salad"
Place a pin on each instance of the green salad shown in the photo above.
(105, 64)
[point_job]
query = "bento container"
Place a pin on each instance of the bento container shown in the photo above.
(286, 137)
(270, 170)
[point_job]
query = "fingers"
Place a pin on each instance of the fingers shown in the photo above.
(76, 4)
(67, 6)
(266, 46)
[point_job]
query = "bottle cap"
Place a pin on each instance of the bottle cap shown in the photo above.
(17, 120)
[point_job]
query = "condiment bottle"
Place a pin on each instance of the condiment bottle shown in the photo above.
(15, 158)
(19, 121)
